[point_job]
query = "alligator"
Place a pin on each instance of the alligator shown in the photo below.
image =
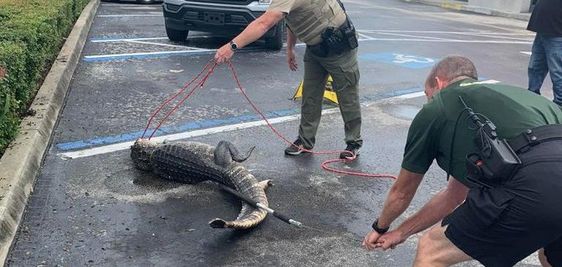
(194, 162)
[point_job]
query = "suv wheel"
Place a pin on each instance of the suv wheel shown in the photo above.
(176, 35)
(276, 42)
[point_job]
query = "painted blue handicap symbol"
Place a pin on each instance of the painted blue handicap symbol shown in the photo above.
(402, 60)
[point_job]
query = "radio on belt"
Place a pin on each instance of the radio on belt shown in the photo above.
(495, 161)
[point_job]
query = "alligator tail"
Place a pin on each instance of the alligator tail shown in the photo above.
(249, 217)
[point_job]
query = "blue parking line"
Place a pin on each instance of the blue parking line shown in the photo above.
(121, 57)
(203, 124)
(161, 54)
(190, 126)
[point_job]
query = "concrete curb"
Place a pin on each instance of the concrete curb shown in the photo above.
(22, 160)
(453, 5)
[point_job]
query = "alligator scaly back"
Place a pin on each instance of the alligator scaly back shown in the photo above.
(194, 162)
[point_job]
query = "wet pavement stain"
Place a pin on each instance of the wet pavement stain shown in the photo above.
(406, 112)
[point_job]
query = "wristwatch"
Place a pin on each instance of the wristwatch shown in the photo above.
(233, 45)
(377, 229)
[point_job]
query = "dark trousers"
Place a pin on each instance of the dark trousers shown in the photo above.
(502, 225)
(345, 74)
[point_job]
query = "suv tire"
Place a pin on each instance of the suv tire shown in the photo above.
(276, 42)
(176, 35)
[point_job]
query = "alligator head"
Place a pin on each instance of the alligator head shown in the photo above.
(141, 151)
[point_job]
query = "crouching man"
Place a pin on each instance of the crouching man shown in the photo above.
(494, 218)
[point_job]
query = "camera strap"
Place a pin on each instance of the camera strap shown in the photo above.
(347, 20)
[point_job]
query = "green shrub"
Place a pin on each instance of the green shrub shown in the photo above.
(31, 34)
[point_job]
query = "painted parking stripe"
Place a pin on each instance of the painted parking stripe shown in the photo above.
(450, 41)
(161, 54)
(162, 44)
(410, 95)
(408, 35)
(144, 55)
(130, 137)
(184, 135)
(101, 40)
(526, 53)
(130, 15)
(195, 125)
(98, 58)
(399, 59)
(453, 32)
(110, 40)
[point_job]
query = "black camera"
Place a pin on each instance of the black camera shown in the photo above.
(334, 40)
(495, 161)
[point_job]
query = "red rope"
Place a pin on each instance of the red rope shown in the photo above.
(198, 85)
(169, 99)
(210, 71)
(325, 164)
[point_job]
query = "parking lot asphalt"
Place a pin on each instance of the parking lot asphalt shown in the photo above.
(91, 207)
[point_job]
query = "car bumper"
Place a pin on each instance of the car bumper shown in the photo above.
(209, 17)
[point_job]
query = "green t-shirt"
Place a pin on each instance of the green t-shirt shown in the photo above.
(513, 110)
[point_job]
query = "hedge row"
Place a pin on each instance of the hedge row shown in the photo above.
(31, 34)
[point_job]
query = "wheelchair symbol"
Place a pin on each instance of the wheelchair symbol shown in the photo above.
(402, 59)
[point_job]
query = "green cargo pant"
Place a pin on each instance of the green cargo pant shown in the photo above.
(345, 74)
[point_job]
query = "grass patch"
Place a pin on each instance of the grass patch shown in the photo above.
(31, 34)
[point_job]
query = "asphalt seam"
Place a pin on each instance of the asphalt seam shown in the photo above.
(21, 162)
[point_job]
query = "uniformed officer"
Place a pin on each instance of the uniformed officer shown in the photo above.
(498, 222)
(331, 50)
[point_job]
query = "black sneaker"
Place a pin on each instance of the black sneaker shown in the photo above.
(350, 150)
(296, 148)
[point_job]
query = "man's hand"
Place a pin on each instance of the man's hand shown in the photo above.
(371, 239)
(390, 240)
(224, 54)
(291, 59)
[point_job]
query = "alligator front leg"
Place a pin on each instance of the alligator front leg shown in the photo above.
(226, 152)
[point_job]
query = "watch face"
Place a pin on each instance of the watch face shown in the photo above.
(233, 46)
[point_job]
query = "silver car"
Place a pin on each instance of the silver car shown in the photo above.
(226, 17)
(138, 1)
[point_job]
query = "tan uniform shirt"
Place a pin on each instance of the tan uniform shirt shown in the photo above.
(307, 19)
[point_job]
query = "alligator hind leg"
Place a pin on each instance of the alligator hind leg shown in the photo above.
(226, 152)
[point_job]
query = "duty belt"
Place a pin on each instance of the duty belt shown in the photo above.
(346, 40)
(535, 136)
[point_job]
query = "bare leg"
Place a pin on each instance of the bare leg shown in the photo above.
(542, 258)
(435, 250)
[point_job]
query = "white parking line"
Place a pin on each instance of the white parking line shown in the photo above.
(526, 53)
(221, 129)
(148, 53)
(408, 35)
(491, 37)
(143, 8)
(453, 32)
(161, 44)
(450, 41)
(365, 38)
(227, 128)
(131, 15)
(408, 96)
(127, 39)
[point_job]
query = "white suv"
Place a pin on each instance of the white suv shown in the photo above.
(217, 16)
